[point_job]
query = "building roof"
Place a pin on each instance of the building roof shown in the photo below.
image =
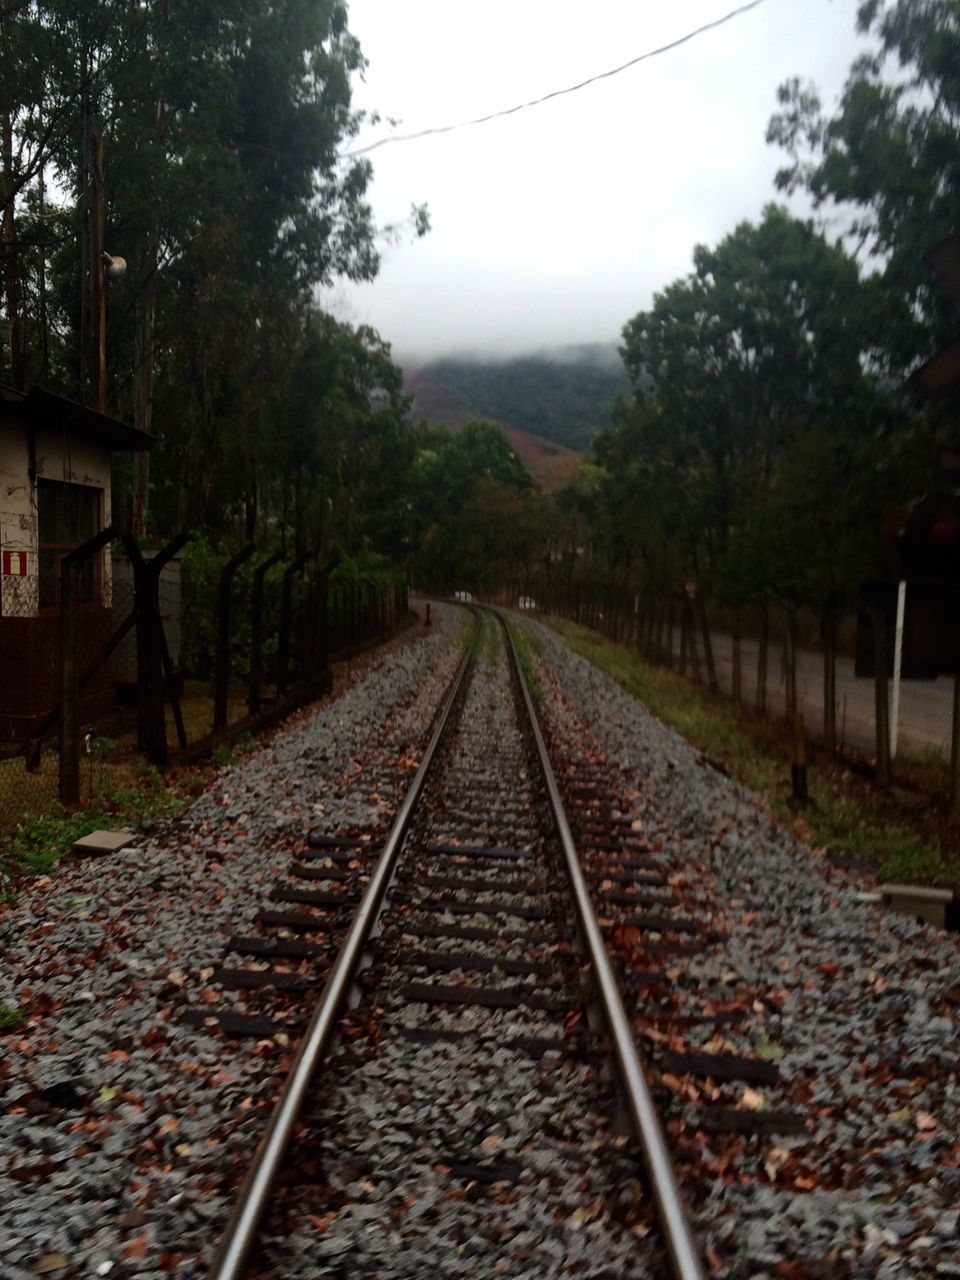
(45, 407)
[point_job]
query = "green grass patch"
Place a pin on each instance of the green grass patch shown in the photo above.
(11, 1019)
(527, 646)
(37, 843)
(850, 818)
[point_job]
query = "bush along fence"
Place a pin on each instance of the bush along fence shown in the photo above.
(836, 672)
(179, 646)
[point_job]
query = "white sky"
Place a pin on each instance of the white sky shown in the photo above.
(557, 224)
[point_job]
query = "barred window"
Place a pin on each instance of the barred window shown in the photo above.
(68, 515)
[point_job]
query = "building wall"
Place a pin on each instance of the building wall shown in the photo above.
(59, 456)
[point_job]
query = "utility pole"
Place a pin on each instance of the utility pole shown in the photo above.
(98, 296)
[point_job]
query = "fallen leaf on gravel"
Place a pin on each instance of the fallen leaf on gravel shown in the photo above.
(587, 1214)
(785, 1270)
(753, 1100)
(491, 1144)
(925, 1121)
(766, 1048)
(176, 977)
(320, 1222)
(168, 1126)
(137, 1248)
(106, 1094)
(50, 1262)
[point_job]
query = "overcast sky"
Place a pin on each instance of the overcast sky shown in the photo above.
(557, 224)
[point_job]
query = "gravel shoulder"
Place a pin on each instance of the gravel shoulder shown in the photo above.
(122, 1131)
(860, 1009)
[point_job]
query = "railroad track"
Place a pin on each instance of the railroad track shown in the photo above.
(468, 1121)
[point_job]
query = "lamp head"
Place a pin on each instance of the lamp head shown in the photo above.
(113, 267)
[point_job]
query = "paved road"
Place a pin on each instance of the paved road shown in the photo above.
(926, 706)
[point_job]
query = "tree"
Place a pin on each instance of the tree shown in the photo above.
(765, 339)
(891, 156)
(467, 484)
(223, 128)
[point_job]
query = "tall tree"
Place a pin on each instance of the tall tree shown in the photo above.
(890, 156)
(766, 337)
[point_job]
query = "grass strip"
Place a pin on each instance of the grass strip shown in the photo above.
(850, 819)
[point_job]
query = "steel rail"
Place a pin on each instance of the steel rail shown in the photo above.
(241, 1230)
(685, 1260)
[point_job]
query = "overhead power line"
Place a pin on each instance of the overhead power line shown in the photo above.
(557, 93)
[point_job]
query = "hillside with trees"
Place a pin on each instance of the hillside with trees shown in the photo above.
(565, 396)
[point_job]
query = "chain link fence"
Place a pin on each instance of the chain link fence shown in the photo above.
(159, 656)
(771, 658)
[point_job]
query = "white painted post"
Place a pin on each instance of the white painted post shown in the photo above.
(897, 662)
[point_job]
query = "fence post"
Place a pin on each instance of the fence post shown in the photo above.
(286, 622)
(955, 749)
(69, 686)
(763, 645)
(152, 727)
(790, 663)
(318, 646)
(154, 668)
(70, 675)
(707, 645)
(222, 673)
(256, 631)
(829, 631)
(692, 632)
(882, 715)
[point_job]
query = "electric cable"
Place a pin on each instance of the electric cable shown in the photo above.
(556, 93)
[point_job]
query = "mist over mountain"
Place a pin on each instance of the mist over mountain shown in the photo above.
(564, 395)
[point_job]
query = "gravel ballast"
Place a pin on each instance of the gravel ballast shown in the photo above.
(861, 1010)
(124, 1132)
(119, 1126)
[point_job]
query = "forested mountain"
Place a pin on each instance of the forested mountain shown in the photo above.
(565, 395)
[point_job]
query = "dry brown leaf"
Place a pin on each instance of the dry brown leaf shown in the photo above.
(50, 1262)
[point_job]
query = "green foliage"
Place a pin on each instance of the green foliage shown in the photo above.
(887, 160)
(758, 447)
(475, 506)
(11, 1018)
(527, 647)
(230, 198)
(38, 843)
(566, 398)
